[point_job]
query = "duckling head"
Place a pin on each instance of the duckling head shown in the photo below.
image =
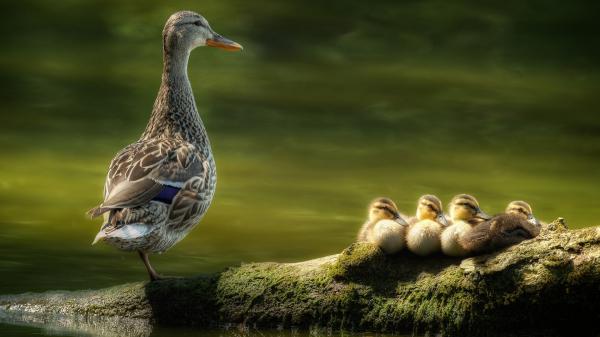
(186, 30)
(522, 210)
(384, 208)
(466, 208)
(429, 207)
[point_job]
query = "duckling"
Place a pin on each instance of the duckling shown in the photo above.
(423, 237)
(384, 226)
(379, 208)
(464, 212)
(523, 209)
(515, 225)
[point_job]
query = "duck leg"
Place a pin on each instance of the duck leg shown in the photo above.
(151, 272)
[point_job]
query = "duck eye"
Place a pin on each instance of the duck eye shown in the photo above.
(198, 23)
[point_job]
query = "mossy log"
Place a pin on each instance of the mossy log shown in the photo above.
(547, 284)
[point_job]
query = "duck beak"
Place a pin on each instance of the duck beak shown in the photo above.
(219, 41)
(482, 215)
(441, 219)
(533, 220)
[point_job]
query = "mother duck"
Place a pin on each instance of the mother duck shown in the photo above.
(158, 188)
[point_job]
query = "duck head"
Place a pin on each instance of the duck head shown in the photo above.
(384, 208)
(464, 207)
(523, 210)
(429, 207)
(187, 30)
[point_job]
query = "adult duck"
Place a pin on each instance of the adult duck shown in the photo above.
(158, 188)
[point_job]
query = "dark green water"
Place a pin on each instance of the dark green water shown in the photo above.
(22, 331)
(328, 106)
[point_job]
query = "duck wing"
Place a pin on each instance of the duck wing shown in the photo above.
(189, 204)
(138, 173)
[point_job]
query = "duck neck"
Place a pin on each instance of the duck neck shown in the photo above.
(174, 114)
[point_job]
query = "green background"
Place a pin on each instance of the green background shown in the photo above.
(329, 105)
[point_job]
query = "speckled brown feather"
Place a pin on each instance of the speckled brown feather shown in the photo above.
(140, 171)
(174, 150)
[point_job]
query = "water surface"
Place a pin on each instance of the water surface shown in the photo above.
(328, 106)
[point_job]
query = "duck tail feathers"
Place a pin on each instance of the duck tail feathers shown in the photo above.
(97, 211)
(101, 235)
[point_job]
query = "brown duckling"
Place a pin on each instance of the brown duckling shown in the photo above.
(465, 213)
(503, 230)
(384, 226)
(524, 210)
(423, 237)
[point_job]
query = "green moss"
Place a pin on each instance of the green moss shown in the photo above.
(360, 260)
(547, 280)
(284, 295)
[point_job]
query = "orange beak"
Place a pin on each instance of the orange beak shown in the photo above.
(219, 41)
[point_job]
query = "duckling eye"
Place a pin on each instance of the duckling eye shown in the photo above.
(469, 206)
(198, 23)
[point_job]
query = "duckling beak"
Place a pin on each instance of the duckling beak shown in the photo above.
(219, 41)
(401, 221)
(533, 220)
(441, 219)
(482, 215)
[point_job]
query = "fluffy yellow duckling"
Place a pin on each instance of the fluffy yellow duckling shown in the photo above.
(423, 237)
(384, 226)
(464, 212)
(515, 225)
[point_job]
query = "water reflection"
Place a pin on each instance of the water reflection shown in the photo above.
(23, 324)
(55, 324)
